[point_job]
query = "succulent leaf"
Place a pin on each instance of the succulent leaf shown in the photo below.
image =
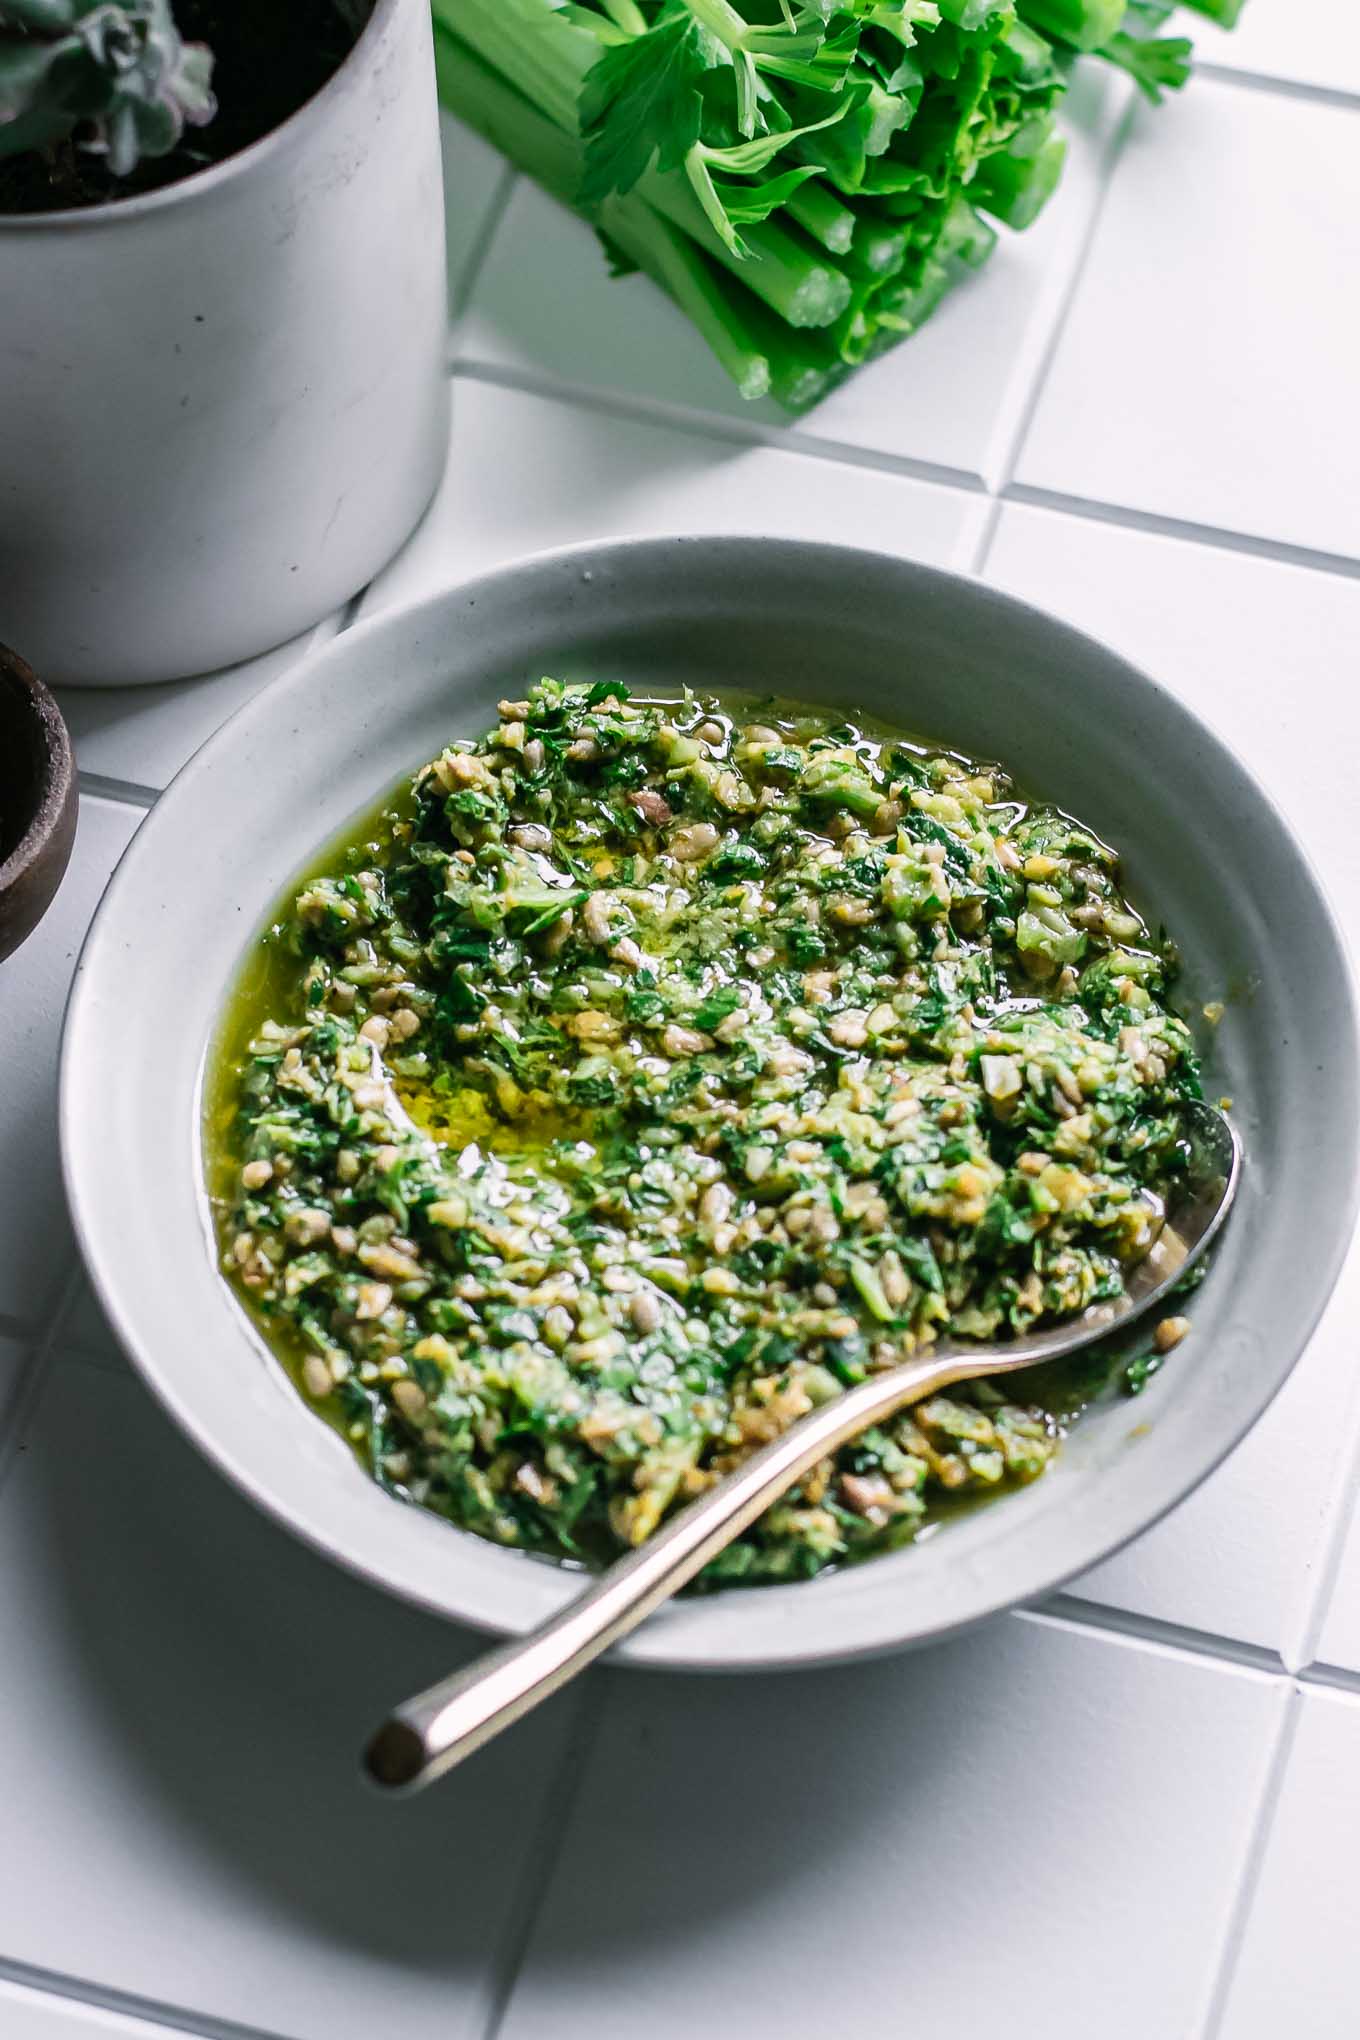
(115, 75)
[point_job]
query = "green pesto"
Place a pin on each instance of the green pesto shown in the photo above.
(647, 1072)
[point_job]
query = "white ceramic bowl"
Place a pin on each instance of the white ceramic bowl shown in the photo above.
(1205, 852)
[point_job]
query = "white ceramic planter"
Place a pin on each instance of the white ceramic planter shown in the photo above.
(223, 405)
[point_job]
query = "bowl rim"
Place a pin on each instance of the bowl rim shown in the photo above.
(644, 1649)
(54, 788)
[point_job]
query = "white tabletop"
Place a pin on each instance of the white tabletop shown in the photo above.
(1128, 1814)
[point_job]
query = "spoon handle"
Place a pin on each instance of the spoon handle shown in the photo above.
(428, 1735)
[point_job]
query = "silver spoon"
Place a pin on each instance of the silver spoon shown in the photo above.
(428, 1735)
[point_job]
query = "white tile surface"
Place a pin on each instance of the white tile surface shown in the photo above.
(526, 472)
(545, 304)
(1207, 370)
(1297, 1969)
(35, 1245)
(37, 2015)
(919, 401)
(1011, 1821)
(1244, 1556)
(1307, 42)
(142, 735)
(190, 1690)
(1265, 653)
(1040, 1816)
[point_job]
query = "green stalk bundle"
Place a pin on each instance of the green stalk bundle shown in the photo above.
(806, 178)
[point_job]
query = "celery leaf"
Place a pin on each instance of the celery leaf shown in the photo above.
(1155, 66)
(639, 101)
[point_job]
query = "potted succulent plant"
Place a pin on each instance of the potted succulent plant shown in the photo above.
(222, 321)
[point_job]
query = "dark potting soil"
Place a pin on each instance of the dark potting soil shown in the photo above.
(272, 56)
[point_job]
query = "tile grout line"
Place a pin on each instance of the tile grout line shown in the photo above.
(1279, 552)
(1329, 1571)
(464, 286)
(352, 610)
(1198, 1646)
(1252, 1864)
(555, 1814)
(986, 538)
(325, 633)
(1207, 1646)
(75, 1990)
(1277, 88)
(1202, 1646)
(1000, 477)
(34, 1370)
(127, 792)
(659, 412)
(709, 425)
(1321, 1676)
(21, 1410)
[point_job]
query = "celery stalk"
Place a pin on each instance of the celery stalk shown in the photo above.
(777, 267)
(793, 280)
(880, 245)
(822, 214)
(1015, 189)
(1081, 24)
(547, 58)
(480, 96)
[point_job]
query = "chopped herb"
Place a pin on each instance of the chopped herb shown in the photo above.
(644, 1077)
